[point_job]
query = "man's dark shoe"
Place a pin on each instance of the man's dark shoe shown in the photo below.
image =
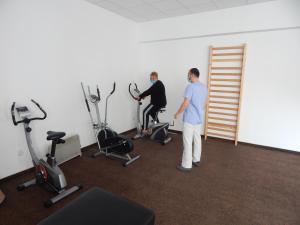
(197, 164)
(183, 169)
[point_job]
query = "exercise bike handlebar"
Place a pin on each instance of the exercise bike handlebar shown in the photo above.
(27, 120)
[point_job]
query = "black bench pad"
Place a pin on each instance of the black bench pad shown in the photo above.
(98, 207)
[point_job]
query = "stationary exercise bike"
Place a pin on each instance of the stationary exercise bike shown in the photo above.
(109, 142)
(47, 173)
(160, 131)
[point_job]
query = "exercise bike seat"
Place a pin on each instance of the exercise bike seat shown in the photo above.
(53, 135)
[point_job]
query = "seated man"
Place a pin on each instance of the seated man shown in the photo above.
(158, 100)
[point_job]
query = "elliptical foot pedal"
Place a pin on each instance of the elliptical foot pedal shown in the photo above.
(131, 160)
(166, 141)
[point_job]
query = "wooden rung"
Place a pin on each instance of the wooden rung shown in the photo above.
(220, 129)
(224, 97)
(224, 108)
(224, 85)
(223, 119)
(229, 47)
(226, 103)
(225, 74)
(229, 80)
(221, 135)
(232, 127)
(225, 68)
(224, 91)
(226, 54)
(227, 60)
(222, 113)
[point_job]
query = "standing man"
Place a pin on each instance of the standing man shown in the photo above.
(195, 98)
(158, 100)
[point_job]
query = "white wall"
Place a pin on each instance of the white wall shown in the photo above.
(47, 48)
(270, 109)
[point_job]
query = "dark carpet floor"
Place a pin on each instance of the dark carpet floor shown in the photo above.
(243, 185)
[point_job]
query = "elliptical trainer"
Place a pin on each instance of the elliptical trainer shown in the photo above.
(47, 173)
(109, 142)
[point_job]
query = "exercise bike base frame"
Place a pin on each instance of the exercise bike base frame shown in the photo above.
(61, 194)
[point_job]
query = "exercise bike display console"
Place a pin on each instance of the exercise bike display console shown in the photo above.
(47, 173)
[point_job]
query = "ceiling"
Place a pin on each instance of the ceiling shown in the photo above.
(147, 10)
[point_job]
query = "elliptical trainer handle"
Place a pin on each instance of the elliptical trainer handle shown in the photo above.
(129, 89)
(85, 98)
(87, 105)
(136, 90)
(43, 111)
(98, 92)
(12, 110)
(114, 88)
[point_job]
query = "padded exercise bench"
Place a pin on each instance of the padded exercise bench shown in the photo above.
(98, 207)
